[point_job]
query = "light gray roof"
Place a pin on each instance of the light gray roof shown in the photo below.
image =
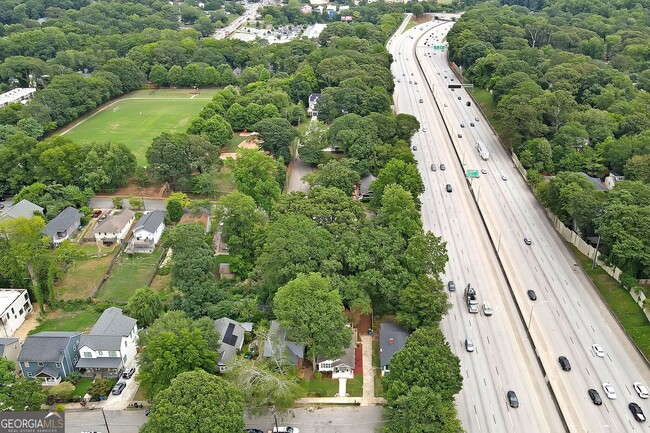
(295, 351)
(104, 362)
(63, 221)
(347, 358)
(45, 346)
(113, 322)
(101, 342)
(232, 338)
(24, 209)
(150, 222)
(391, 340)
(365, 183)
(4, 342)
(596, 181)
(48, 370)
(115, 223)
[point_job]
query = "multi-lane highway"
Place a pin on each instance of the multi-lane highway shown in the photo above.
(486, 248)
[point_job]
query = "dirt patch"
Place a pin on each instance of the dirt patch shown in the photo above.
(227, 155)
(249, 144)
(31, 322)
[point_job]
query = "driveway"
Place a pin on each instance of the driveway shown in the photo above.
(120, 402)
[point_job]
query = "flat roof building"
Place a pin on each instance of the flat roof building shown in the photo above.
(20, 94)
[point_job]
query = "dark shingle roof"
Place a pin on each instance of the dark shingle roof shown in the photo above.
(101, 342)
(113, 322)
(63, 221)
(104, 362)
(150, 222)
(295, 350)
(387, 332)
(45, 346)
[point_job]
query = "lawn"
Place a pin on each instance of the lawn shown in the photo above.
(223, 181)
(68, 321)
(233, 144)
(82, 386)
(328, 387)
(131, 272)
(82, 277)
(139, 117)
(379, 387)
(620, 302)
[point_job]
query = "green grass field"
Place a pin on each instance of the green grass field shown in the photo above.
(69, 321)
(141, 116)
(130, 273)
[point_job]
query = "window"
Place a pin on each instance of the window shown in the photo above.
(40, 364)
(100, 353)
(29, 374)
(112, 353)
(58, 365)
(20, 312)
(27, 365)
(126, 343)
(26, 297)
(75, 359)
(88, 355)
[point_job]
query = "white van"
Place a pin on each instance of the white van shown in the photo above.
(487, 309)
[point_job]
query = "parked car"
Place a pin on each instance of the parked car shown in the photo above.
(532, 295)
(118, 388)
(128, 374)
(595, 397)
(96, 213)
(637, 413)
(609, 391)
(564, 363)
(2, 206)
(512, 399)
(253, 430)
(640, 389)
(286, 430)
(598, 350)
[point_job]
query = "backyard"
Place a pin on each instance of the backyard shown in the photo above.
(68, 321)
(83, 276)
(131, 271)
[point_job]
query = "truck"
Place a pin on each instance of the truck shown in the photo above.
(471, 299)
(482, 150)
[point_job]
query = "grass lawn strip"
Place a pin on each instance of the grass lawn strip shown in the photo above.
(82, 386)
(68, 321)
(325, 387)
(129, 273)
(82, 277)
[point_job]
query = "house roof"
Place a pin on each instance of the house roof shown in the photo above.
(295, 350)
(595, 181)
(4, 342)
(115, 223)
(45, 346)
(113, 322)
(9, 296)
(22, 209)
(150, 221)
(313, 98)
(103, 362)
(101, 342)
(365, 183)
(347, 358)
(49, 371)
(391, 340)
(232, 338)
(63, 221)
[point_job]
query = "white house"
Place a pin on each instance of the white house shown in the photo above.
(21, 94)
(313, 100)
(147, 232)
(611, 179)
(14, 307)
(306, 9)
(115, 228)
(109, 346)
(64, 225)
(342, 367)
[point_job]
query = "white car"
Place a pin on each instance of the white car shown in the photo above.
(609, 391)
(598, 350)
(504, 177)
(640, 389)
(286, 430)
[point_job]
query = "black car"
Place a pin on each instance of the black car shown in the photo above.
(128, 374)
(118, 388)
(512, 399)
(564, 363)
(637, 413)
(452, 286)
(253, 430)
(448, 187)
(442, 167)
(595, 397)
(532, 295)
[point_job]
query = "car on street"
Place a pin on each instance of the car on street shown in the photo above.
(128, 374)
(595, 397)
(2, 206)
(442, 167)
(452, 286)
(96, 213)
(253, 430)
(640, 389)
(118, 388)
(609, 391)
(598, 350)
(487, 309)
(532, 295)
(460, 135)
(504, 177)
(469, 345)
(527, 241)
(484, 170)
(415, 147)
(512, 399)
(564, 363)
(448, 187)
(462, 125)
(637, 413)
(286, 430)
(433, 167)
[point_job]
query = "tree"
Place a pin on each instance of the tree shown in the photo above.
(22, 395)
(197, 401)
(255, 176)
(337, 174)
(158, 75)
(427, 361)
(312, 143)
(144, 306)
(638, 168)
(400, 173)
(426, 254)
(277, 135)
(398, 212)
(118, 202)
(174, 211)
(422, 410)
(422, 303)
(172, 157)
(312, 313)
(215, 129)
(136, 202)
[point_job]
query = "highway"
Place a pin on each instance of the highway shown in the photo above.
(567, 317)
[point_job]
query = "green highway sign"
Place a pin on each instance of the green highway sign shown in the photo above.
(472, 173)
(438, 47)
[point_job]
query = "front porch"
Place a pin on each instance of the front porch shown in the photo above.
(102, 368)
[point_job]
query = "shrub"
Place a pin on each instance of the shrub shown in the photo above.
(100, 387)
(59, 408)
(73, 377)
(62, 392)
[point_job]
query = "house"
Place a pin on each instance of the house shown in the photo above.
(306, 9)
(342, 367)
(115, 228)
(146, 233)
(320, 9)
(331, 10)
(49, 356)
(364, 189)
(224, 272)
(294, 352)
(392, 338)
(597, 183)
(10, 349)
(14, 307)
(63, 226)
(21, 94)
(344, 8)
(109, 346)
(313, 99)
(611, 179)
(22, 209)
(232, 340)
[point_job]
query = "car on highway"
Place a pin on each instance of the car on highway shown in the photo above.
(410, 82)
(253, 430)
(286, 430)
(637, 413)
(424, 129)
(532, 295)
(411, 74)
(399, 81)
(484, 170)
(438, 73)
(595, 397)
(459, 98)
(468, 103)
(504, 177)
(471, 124)
(564, 363)
(128, 374)
(476, 119)
(528, 241)
(442, 167)
(433, 167)
(448, 188)
(460, 135)
(512, 399)
(421, 101)
(415, 83)
(487, 309)
(452, 286)
(640, 389)
(446, 105)
(469, 345)
(609, 391)
(118, 388)
(462, 125)
(598, 350)
(414, 147)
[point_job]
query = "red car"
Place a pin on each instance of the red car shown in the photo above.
(97, 213)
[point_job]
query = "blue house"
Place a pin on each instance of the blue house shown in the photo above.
(49, 356)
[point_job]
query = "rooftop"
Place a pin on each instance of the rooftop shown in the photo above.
(8, 296)
(15, 95)
(150, 221)
(63, 221)
(115, 223)
(392, 338)
(45, 346)
(113, 322)
(23, 209)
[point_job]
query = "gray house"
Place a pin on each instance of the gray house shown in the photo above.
(341, 367)
(146, 233)
(64, 225)
(49, 356)
(294, 352)
(22, 209)
(9, 350)
(392, 338)
(232, 340)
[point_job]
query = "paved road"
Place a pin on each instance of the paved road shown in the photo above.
(107, 203)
